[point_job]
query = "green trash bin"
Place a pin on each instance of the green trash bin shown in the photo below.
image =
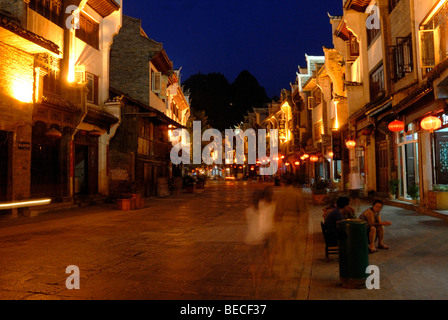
(353, 252)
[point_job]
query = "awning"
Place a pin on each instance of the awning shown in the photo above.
(13, 34)
(104, 7)
(413, 97)
(357, 5)
(100, 118)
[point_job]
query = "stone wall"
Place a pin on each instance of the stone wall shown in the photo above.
(130, 54)
(16, 96)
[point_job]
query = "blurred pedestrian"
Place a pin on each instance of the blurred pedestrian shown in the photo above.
(355, 188)
(291, 208)
(260, 233)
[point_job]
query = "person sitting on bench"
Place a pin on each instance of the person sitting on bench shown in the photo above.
(375, 226)
(334, 216)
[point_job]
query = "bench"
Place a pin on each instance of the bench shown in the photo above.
(331, 247)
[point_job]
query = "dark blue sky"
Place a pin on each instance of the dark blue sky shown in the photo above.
(266, 37)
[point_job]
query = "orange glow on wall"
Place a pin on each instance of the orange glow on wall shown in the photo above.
(22, 91)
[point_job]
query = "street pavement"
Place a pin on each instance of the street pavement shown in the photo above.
(191, 247)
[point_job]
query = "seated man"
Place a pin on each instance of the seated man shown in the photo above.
(334, 216)
(375, 227)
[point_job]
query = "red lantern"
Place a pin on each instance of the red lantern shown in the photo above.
(431, 123)
(297, 163)
(314, 158)
(396, 126)
(350, 144)
(306, 156)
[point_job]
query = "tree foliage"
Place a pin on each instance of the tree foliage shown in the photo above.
(225, 104)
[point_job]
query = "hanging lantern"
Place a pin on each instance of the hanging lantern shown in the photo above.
(431, 123)
(53, 134)
(396, 126)
(331, 154)
(350, 144)
(314, 158)
(297, 163)
(302, 158)
(366, 131)
(306, 156)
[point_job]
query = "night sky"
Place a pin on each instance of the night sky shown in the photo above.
(266, 37)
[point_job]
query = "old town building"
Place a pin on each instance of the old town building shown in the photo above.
(54, 123)
(395, 60)
(153, 105)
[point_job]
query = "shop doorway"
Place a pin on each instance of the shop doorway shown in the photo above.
(407, 161)
(382, 164)
(81, 169)
(45, 164)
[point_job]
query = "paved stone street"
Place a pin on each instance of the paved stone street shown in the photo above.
(182, 247)
(191, 247)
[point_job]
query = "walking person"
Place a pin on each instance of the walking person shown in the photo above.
(355, 188)
(291, 206)
(260, 233)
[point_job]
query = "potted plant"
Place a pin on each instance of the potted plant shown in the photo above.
(413, 192)
(393, 188)
(438, 197)
(189, 182)
(319, 191)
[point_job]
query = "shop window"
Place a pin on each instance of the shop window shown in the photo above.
(89, 31)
